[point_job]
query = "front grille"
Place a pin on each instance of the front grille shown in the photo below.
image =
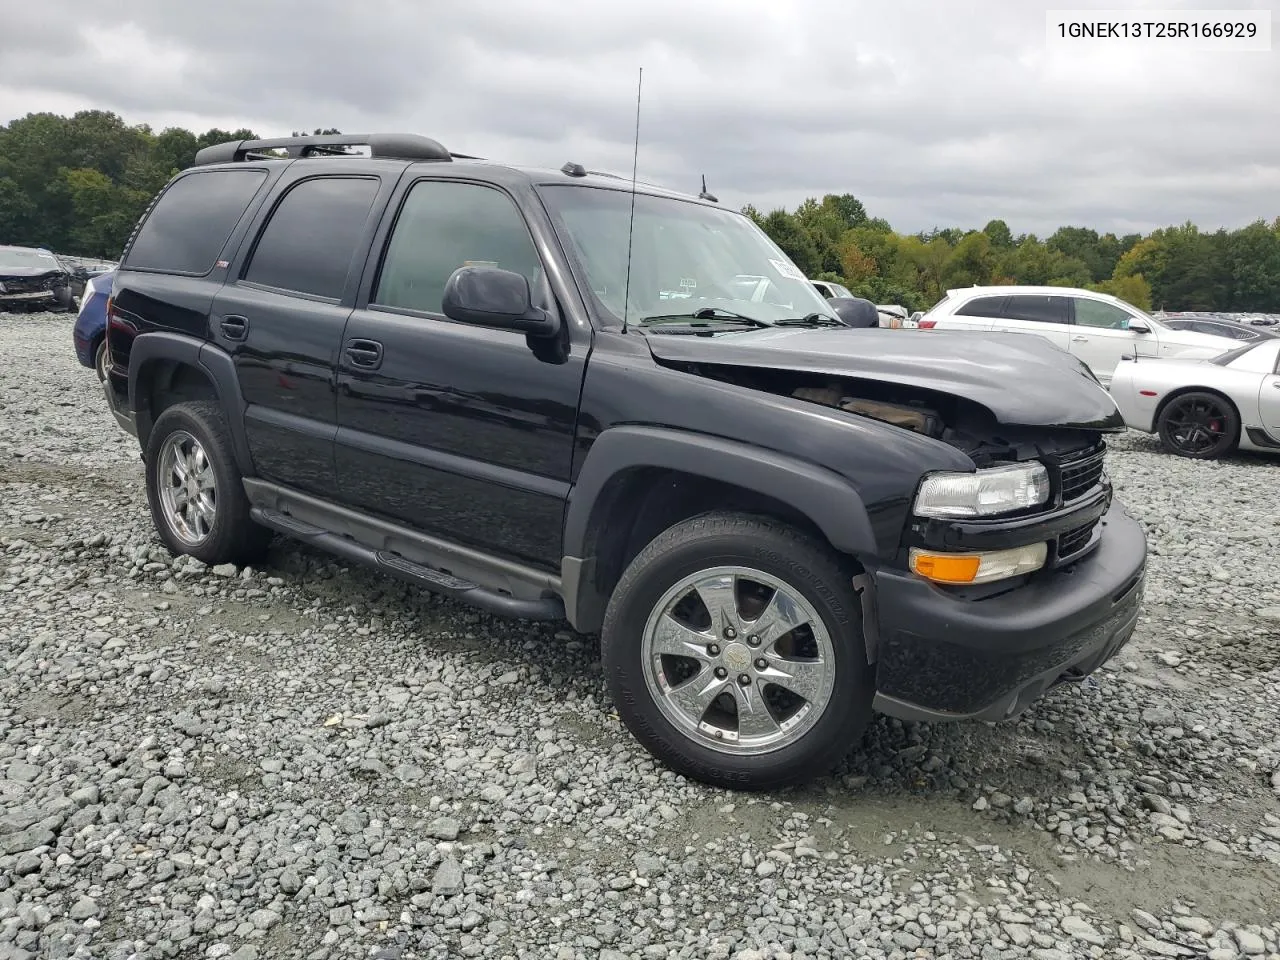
(1080, 471)
(1073, 541)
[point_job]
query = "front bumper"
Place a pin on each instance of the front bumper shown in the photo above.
(35, 298)
(942, 657)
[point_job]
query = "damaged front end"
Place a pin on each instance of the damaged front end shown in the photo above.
(1038, 493)
(33, 280)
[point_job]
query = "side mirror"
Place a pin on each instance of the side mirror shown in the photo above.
(491, 297)
(1139, 326)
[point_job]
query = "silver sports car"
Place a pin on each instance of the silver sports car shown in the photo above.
(1205, 408)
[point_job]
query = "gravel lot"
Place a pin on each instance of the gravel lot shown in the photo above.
(307, 760)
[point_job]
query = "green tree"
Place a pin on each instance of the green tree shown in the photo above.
(998, 233)
(796, 242)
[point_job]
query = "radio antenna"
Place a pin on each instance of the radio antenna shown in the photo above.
(631, 226)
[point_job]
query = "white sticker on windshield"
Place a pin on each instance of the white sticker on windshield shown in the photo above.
(788, 270)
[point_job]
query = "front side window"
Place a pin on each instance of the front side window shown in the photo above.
(311, 238)
(192, 221)
(1095, 313)
(1037, 309)
(445, 225)
(685, 257)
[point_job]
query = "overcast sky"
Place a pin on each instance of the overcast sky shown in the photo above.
(932, 112)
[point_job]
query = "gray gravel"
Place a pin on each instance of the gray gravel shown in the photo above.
(307, 760)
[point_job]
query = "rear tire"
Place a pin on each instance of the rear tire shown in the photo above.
(1199, 425)
(738, 704)
(196, 491)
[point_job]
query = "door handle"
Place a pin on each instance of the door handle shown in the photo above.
(1276, 384)
(364, 353)
(1080, 339)
(235, 328)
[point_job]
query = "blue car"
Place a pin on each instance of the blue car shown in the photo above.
(91, 324)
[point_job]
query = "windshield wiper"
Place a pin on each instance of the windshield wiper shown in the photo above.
(706, 313)
(812, 320)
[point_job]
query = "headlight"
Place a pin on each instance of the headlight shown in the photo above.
(986, 493)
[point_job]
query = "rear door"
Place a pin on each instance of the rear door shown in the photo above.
(282, 313)
(1101, 336)
(1047, 316)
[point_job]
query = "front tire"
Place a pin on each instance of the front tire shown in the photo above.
(100, 359)
(733, 650)
(1199, 425)
(195, 490)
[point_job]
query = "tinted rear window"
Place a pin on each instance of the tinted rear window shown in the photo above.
(309, 241)
(981, 307)
(192, 221)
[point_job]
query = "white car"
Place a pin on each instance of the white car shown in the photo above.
(1096, 327)
(1205, 409)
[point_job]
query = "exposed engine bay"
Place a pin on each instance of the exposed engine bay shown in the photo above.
(958, 421)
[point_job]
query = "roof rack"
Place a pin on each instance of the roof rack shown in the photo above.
(387, 146)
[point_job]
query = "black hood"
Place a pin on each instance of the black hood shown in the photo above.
(1022, 379)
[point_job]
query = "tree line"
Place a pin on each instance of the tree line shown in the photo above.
(1172, 268)
(78, 184)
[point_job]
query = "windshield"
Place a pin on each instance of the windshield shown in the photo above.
(685, 258)
(17, 257)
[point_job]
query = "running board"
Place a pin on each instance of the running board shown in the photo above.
(437, 581)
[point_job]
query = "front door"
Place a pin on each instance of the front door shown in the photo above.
(457, 430)
(282, 321)
(1101, 336)
(1269, 393)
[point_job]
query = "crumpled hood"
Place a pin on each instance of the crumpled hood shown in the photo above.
(27, 273)
(1022, 379)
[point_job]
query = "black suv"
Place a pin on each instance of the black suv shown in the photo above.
(558, 394)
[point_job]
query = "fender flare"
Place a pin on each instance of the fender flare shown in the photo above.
(796, 482)
(214, 363)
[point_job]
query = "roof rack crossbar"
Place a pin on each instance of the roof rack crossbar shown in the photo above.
(389, 146)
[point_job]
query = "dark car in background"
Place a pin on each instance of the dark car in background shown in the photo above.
(1219, 326)
(32, 278)
(89, 333)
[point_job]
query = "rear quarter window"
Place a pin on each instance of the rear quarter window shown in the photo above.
(982, 307)
(192, 220)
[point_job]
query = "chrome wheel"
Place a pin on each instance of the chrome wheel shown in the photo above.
(188, 488)
(100, 361)
(738, 660)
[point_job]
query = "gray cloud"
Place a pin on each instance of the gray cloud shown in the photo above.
(932, 113)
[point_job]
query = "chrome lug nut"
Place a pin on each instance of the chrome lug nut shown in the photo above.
(744, 680)
(713, 649)
(753, 640)
(730, 633)
(762, 663)
(721, 672)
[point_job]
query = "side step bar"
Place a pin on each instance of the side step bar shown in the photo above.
(437, 581)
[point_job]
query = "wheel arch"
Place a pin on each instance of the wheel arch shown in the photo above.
(638, 481)
(168, 368)
(1183, 391)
